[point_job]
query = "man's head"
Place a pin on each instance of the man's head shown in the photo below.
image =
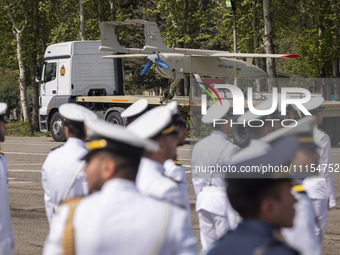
(314, 106)
(114, 152)
(74, 117)
(218, 111)
(156, 124)
(178, 122)
(3, 109)
(257, 125)
(267, 199)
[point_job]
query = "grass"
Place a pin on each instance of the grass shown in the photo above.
(20, 128)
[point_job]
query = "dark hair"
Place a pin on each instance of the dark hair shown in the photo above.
(246, 195)
(126, 166)
(76, 129)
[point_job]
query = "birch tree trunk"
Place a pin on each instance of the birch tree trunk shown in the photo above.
(22, 75)
(82, 21)
(268, 42)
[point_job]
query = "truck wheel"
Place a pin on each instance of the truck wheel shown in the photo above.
(57, 127)
(115, 118)
(240, 135)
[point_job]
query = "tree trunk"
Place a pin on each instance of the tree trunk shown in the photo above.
(22, 80)
(35, 88)
(267, 40)
(82, 21)
(100, 11)
(113, 9)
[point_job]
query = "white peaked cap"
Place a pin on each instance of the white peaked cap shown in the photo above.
(304, 125)
(152, 122)
(265, 105)
(76, 112)
(173, 107)
(3, 108)
(216, 111)
(135, 109)
(314, 103)
(107, 133)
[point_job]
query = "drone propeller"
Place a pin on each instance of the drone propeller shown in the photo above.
(153, 58)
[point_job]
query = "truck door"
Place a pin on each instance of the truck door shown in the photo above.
(50, 79)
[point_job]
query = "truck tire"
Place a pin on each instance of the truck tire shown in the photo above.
(240, 135)
(115, 118)
(57, 127)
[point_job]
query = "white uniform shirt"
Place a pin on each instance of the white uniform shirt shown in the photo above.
(120, 220)
(177, 173)
(256, 148)
(6, 232)
(212, 150)
(151, 181)
(58, 171)
(302, 235)
(323, 187)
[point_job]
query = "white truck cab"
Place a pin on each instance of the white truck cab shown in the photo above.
(73, 69)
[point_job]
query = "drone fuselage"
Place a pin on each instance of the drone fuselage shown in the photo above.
(180, 64)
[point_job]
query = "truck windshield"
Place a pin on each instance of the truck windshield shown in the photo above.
(50, 71)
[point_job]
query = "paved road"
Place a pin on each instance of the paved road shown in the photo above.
(25, 156)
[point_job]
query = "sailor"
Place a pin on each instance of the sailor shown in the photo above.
(173, 167)
(265, 202)
(302, 235)
(156, 124)
(259, 128)
(321, 189)
(117, 219)
(135, 110)
(62, 175)
(215, 214)
(6, 231)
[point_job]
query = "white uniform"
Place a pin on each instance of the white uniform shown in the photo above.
(152, 182)
(59, 169)
(215, 213)
(302, 235)
(321, 189)
(6, 232)
(177, 173)
(256, 148)
(120, 220)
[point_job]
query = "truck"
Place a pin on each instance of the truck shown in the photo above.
(79, 72)
(75, 72)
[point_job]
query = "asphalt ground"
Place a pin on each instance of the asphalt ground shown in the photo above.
(25, 156)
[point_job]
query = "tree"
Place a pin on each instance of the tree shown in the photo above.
(22, 76)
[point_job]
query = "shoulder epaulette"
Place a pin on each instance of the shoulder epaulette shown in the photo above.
(2, 153)
(178, 163)
(299, 188)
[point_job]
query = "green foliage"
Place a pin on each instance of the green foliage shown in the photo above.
(9, 90)
(19, 128)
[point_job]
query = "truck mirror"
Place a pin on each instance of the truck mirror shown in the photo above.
(37, 72)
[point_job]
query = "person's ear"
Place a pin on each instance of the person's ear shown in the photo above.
(108, 168)
(67, 131)
(267, 209)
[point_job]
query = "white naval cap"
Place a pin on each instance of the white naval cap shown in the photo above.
(173, 107)
(3, 109)
(136, 108)
(314, 103)
(106, 136)
(216, 111)
(303, 126)
(153, 123)
(76, 112)
(265, 105)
